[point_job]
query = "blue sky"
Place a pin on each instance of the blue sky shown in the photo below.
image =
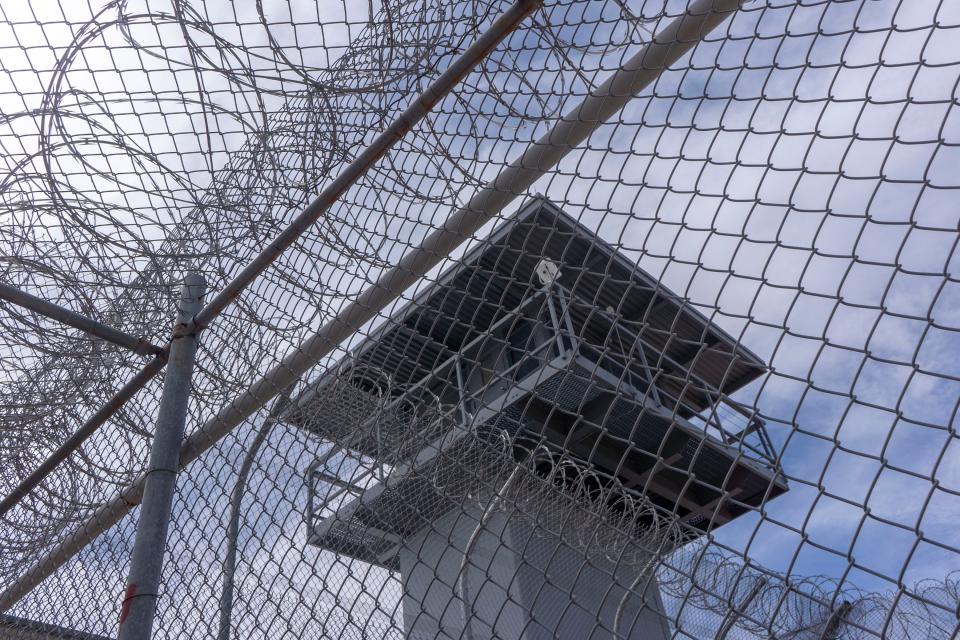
(798, 189)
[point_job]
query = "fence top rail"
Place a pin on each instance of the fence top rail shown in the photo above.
(648, 321)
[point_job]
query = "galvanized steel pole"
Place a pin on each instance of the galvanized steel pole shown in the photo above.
(738, 611)
(640, 71)
(143, 585)
(78, 437)
(505, 23)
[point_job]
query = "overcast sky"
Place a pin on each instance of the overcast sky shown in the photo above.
(798, 189)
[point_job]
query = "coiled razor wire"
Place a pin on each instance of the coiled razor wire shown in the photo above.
(793, 178)
(560, 499)
(216, 225)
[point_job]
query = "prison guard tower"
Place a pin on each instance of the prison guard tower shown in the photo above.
(543, 346)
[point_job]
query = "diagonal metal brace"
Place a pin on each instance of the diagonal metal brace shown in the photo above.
(679, 37)
(73, 319)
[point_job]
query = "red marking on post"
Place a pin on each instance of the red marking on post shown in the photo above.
(127, 600)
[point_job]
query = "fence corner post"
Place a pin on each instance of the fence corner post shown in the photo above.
(146, 563)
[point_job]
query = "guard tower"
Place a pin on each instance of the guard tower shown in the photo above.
(542, 338)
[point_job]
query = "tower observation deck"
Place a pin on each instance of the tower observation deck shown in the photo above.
(542, 346)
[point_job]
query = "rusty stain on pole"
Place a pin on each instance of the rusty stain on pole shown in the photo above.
(80, 436)
(640, 71)
(146, 562)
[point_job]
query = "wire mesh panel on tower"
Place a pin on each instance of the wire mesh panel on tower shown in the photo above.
(647, 330)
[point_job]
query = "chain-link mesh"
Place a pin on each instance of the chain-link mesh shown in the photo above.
(691, 372)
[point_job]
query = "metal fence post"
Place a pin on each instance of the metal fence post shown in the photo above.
(140, 599)
(640, 71)
(833, 627)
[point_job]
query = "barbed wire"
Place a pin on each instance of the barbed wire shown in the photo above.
(557, 498)
(790, 179)
(237, 195)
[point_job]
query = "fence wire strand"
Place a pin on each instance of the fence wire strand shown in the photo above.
(698, 381)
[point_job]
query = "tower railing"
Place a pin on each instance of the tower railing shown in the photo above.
(372, 448)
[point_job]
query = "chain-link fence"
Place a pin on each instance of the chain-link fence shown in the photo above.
(572, 318)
